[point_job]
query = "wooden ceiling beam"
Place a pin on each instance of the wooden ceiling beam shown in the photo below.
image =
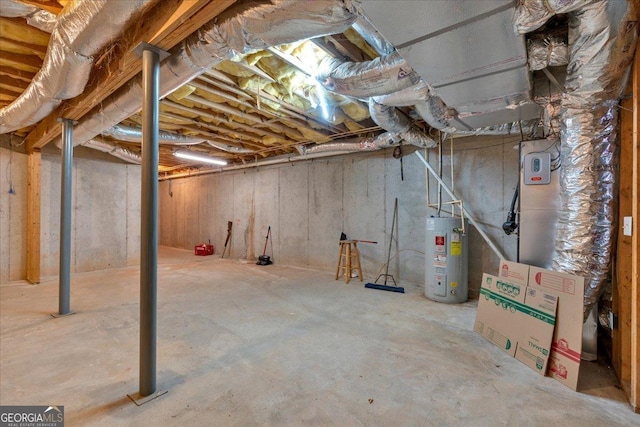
(50, 6)
(347, 48)
(10, 91)
(8, 94)
(36, 49)
(164, 27)
(13, 84)
(20, 59)
(233, 133)
(21, 25)
(15, 73)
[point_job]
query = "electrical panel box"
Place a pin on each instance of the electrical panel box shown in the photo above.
(537, 168)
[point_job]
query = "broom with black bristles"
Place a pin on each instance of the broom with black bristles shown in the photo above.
(385, 287)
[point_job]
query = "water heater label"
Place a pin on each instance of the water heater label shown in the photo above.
(440, 244)
(456, 245)
(431, 224)
(439, 261)
(456, 248)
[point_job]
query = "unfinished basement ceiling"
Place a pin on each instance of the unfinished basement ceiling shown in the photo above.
(269, 102)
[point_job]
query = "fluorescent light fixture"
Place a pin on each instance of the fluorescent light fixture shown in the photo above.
(190, 155)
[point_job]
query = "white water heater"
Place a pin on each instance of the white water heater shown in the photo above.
(446, 261)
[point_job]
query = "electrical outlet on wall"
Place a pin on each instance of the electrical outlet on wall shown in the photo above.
(627, 226)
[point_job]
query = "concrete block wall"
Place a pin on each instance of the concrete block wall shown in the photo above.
(105, 216)
(308, 204)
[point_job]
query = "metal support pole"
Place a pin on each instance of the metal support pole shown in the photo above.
(149, 221)
(466, 212)
(64, 292)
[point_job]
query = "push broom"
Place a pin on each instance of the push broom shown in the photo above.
(385, 287)
(265, 259)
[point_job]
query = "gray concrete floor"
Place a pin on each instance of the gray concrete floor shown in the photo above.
(240, 344)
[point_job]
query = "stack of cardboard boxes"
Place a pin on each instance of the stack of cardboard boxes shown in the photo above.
(535, 315)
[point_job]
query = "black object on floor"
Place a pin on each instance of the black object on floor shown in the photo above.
(265, 259)
(229, 227)
(384, 287)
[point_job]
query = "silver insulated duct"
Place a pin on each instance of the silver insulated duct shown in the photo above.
(114, 150)
(36, 17)
(375, 143)
(602, 39)
(133, 134)
(78, 35)
(240, 29)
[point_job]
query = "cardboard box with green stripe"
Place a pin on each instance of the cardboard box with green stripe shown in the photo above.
(518, 319)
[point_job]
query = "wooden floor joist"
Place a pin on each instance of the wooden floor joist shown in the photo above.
(164, 27)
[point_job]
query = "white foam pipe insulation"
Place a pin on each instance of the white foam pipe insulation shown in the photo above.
(36, 17)
(84, 30)
(602, 39)
(240, 29)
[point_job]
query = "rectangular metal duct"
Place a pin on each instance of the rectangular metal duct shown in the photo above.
(467, 51)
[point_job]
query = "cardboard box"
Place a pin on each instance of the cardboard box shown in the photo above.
(518, 319)
(514, 272)
(564, 364)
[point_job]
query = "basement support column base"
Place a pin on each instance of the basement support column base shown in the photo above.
(57, 315)
(141, 400)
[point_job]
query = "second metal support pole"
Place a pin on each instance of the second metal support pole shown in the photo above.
(64, 293)
(149, 222)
